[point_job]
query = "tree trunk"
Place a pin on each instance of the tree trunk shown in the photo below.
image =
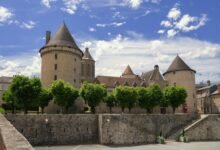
(25, 111)
(110, 110)
(174, 109)
(149, 111)
(129, 109)
(93, 109)
(122, 109)
(42, 110)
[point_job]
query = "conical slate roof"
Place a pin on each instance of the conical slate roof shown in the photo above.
(177, 65)
(63, 38)
(87, 55)
(128, 71)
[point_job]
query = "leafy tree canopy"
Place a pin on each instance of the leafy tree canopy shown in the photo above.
(64, 94)
(175, 96)
(93, 94)
(126, 96)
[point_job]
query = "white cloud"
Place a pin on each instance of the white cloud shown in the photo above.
(28, 25)
(47, 3)
(166, 23)
(102, 25)
(134, 34)
(135, 3)
(5, 15)
(188, 23)
(25, 64)
(113, 55)
(92, 29)
(117, 24)
(176, 22)
(174, 13)
(114, 24)
(171, 33)
(71, 6)
(160, 31)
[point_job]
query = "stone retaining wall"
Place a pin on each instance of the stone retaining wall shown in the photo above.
(10, 138)
(208, 129)
(94, 129)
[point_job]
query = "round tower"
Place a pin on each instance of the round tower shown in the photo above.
(180, 74)
(88, 67)
(60, 58)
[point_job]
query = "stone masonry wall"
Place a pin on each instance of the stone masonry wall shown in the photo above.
(208, 129)
(59, 130)
(94, 129)
(140, 129)
(10, 138)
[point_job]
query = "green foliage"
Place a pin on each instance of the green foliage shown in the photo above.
(64, 94)
(2, 111)
(93, 94)
(126, 96)
(10, 100)
(110, 101)
(44, 98)
(176, 96)
(149, 97)
(25, 90)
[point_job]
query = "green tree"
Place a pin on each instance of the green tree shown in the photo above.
(143, 98)
(175, 95)
(44, 98)
(64, 94)
(155, 95)
(149, 97)
(125, 96)
(93, 94)
(110, 101)
(9, 98)
(25, 90)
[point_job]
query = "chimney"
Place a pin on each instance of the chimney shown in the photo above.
(48, 34)
(156, 67)
(208, 83)
(87, 49)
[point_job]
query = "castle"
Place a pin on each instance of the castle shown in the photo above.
(63, 59)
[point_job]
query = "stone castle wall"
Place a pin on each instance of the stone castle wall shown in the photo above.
(10, 138)
(208, 129)
(185, 79)
(93, 129)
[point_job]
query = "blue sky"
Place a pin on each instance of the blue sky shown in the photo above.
(141, 33)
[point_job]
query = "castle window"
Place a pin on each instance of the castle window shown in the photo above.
(74, 80)
(174, 72)
(55, 66)
(55, 56)
(75, 59)
(74, 69)
(174, 84)
(55, 77)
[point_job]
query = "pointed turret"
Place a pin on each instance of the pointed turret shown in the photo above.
(178, 65)
(127, 71)
(87, 55)
(62, 37)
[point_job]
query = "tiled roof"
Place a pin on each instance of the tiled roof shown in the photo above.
(87, 55)
(112, 82)
(128, 71)
(63, 37)
(177, 65)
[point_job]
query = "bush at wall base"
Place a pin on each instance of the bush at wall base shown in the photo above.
(161, 139)
(2, 111)
(183, 137)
